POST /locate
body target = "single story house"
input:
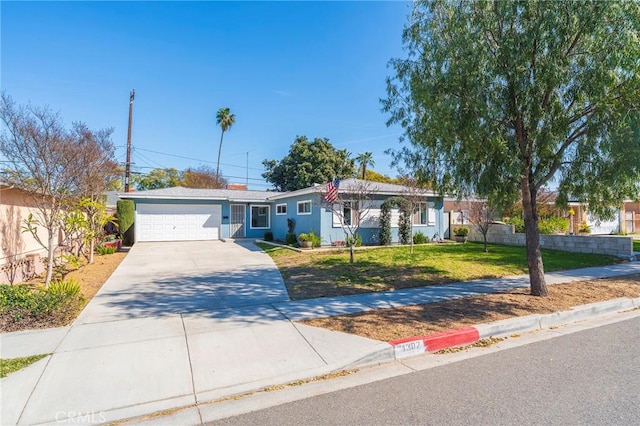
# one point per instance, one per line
(179, 214)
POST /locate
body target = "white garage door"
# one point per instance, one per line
(175, 222)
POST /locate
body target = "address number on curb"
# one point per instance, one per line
(409, 348)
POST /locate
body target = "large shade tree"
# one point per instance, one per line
(308, 163)
(503, 97)
(158, 179)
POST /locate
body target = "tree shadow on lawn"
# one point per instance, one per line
(336, 278)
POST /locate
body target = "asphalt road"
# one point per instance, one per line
(585, 378)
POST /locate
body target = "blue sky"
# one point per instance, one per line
(284, 68)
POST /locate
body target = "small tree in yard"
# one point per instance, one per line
(481, 214)
(350, 206)
(49, 163)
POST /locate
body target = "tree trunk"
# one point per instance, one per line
(534, 257)
(351, 248)
(411, 236)
(92, 243)
(486, 249)
(50, 251)
(218, 163)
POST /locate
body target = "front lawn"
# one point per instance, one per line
(328, 273)
(636, 245)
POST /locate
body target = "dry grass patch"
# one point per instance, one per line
(420, 320)
(91, 277)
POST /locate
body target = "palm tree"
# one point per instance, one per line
(365, 159)
(225, 120)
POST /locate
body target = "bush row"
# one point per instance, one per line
(23, 307)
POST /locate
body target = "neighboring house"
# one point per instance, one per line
(175, 214)
(597, 226)
(19, 251)
(631, 217)
(111, 201)
(456, 212)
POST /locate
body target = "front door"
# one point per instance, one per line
(238, 215)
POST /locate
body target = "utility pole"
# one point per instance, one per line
(247, 169)
(127, 170)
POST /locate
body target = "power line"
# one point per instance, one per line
(197, 159)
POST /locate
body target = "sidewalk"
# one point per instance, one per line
(114, 370)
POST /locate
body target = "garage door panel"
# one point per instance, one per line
(169, 222)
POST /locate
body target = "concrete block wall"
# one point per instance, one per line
(600, 244)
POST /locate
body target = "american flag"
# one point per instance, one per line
(332, 191)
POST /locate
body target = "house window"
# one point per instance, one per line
(349, 216)
(260, 217)
(425, 214)
(281, 209)
(420, 215)
(304, 207)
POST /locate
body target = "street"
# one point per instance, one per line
(588, 377)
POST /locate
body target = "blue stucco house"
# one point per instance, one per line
(183, 214)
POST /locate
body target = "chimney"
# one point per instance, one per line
(237, 186)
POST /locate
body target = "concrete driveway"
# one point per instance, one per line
(168, 278)
(176, 324)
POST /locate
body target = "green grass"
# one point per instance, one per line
(8, 366)
(328, 273)
(636, 245)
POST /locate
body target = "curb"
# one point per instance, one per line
(411, 346)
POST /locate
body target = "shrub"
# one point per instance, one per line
(584, 228)
(22, 307)
(72, 260)
(549, 225)
(304, 237)
(553, 225)
(291, 225)
(517, 222)
(126, 214)
(316, 240)
(355, 241)
(291, 238)
(64, 288)
(268, 236)
(460, 231)
(419, 238)
(102, 250)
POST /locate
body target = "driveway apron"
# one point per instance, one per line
(177, 323)
(168, 278)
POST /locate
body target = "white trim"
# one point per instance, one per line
(251, 206)
(304, 202)
(285, 209)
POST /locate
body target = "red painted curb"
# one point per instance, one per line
(437, 341)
